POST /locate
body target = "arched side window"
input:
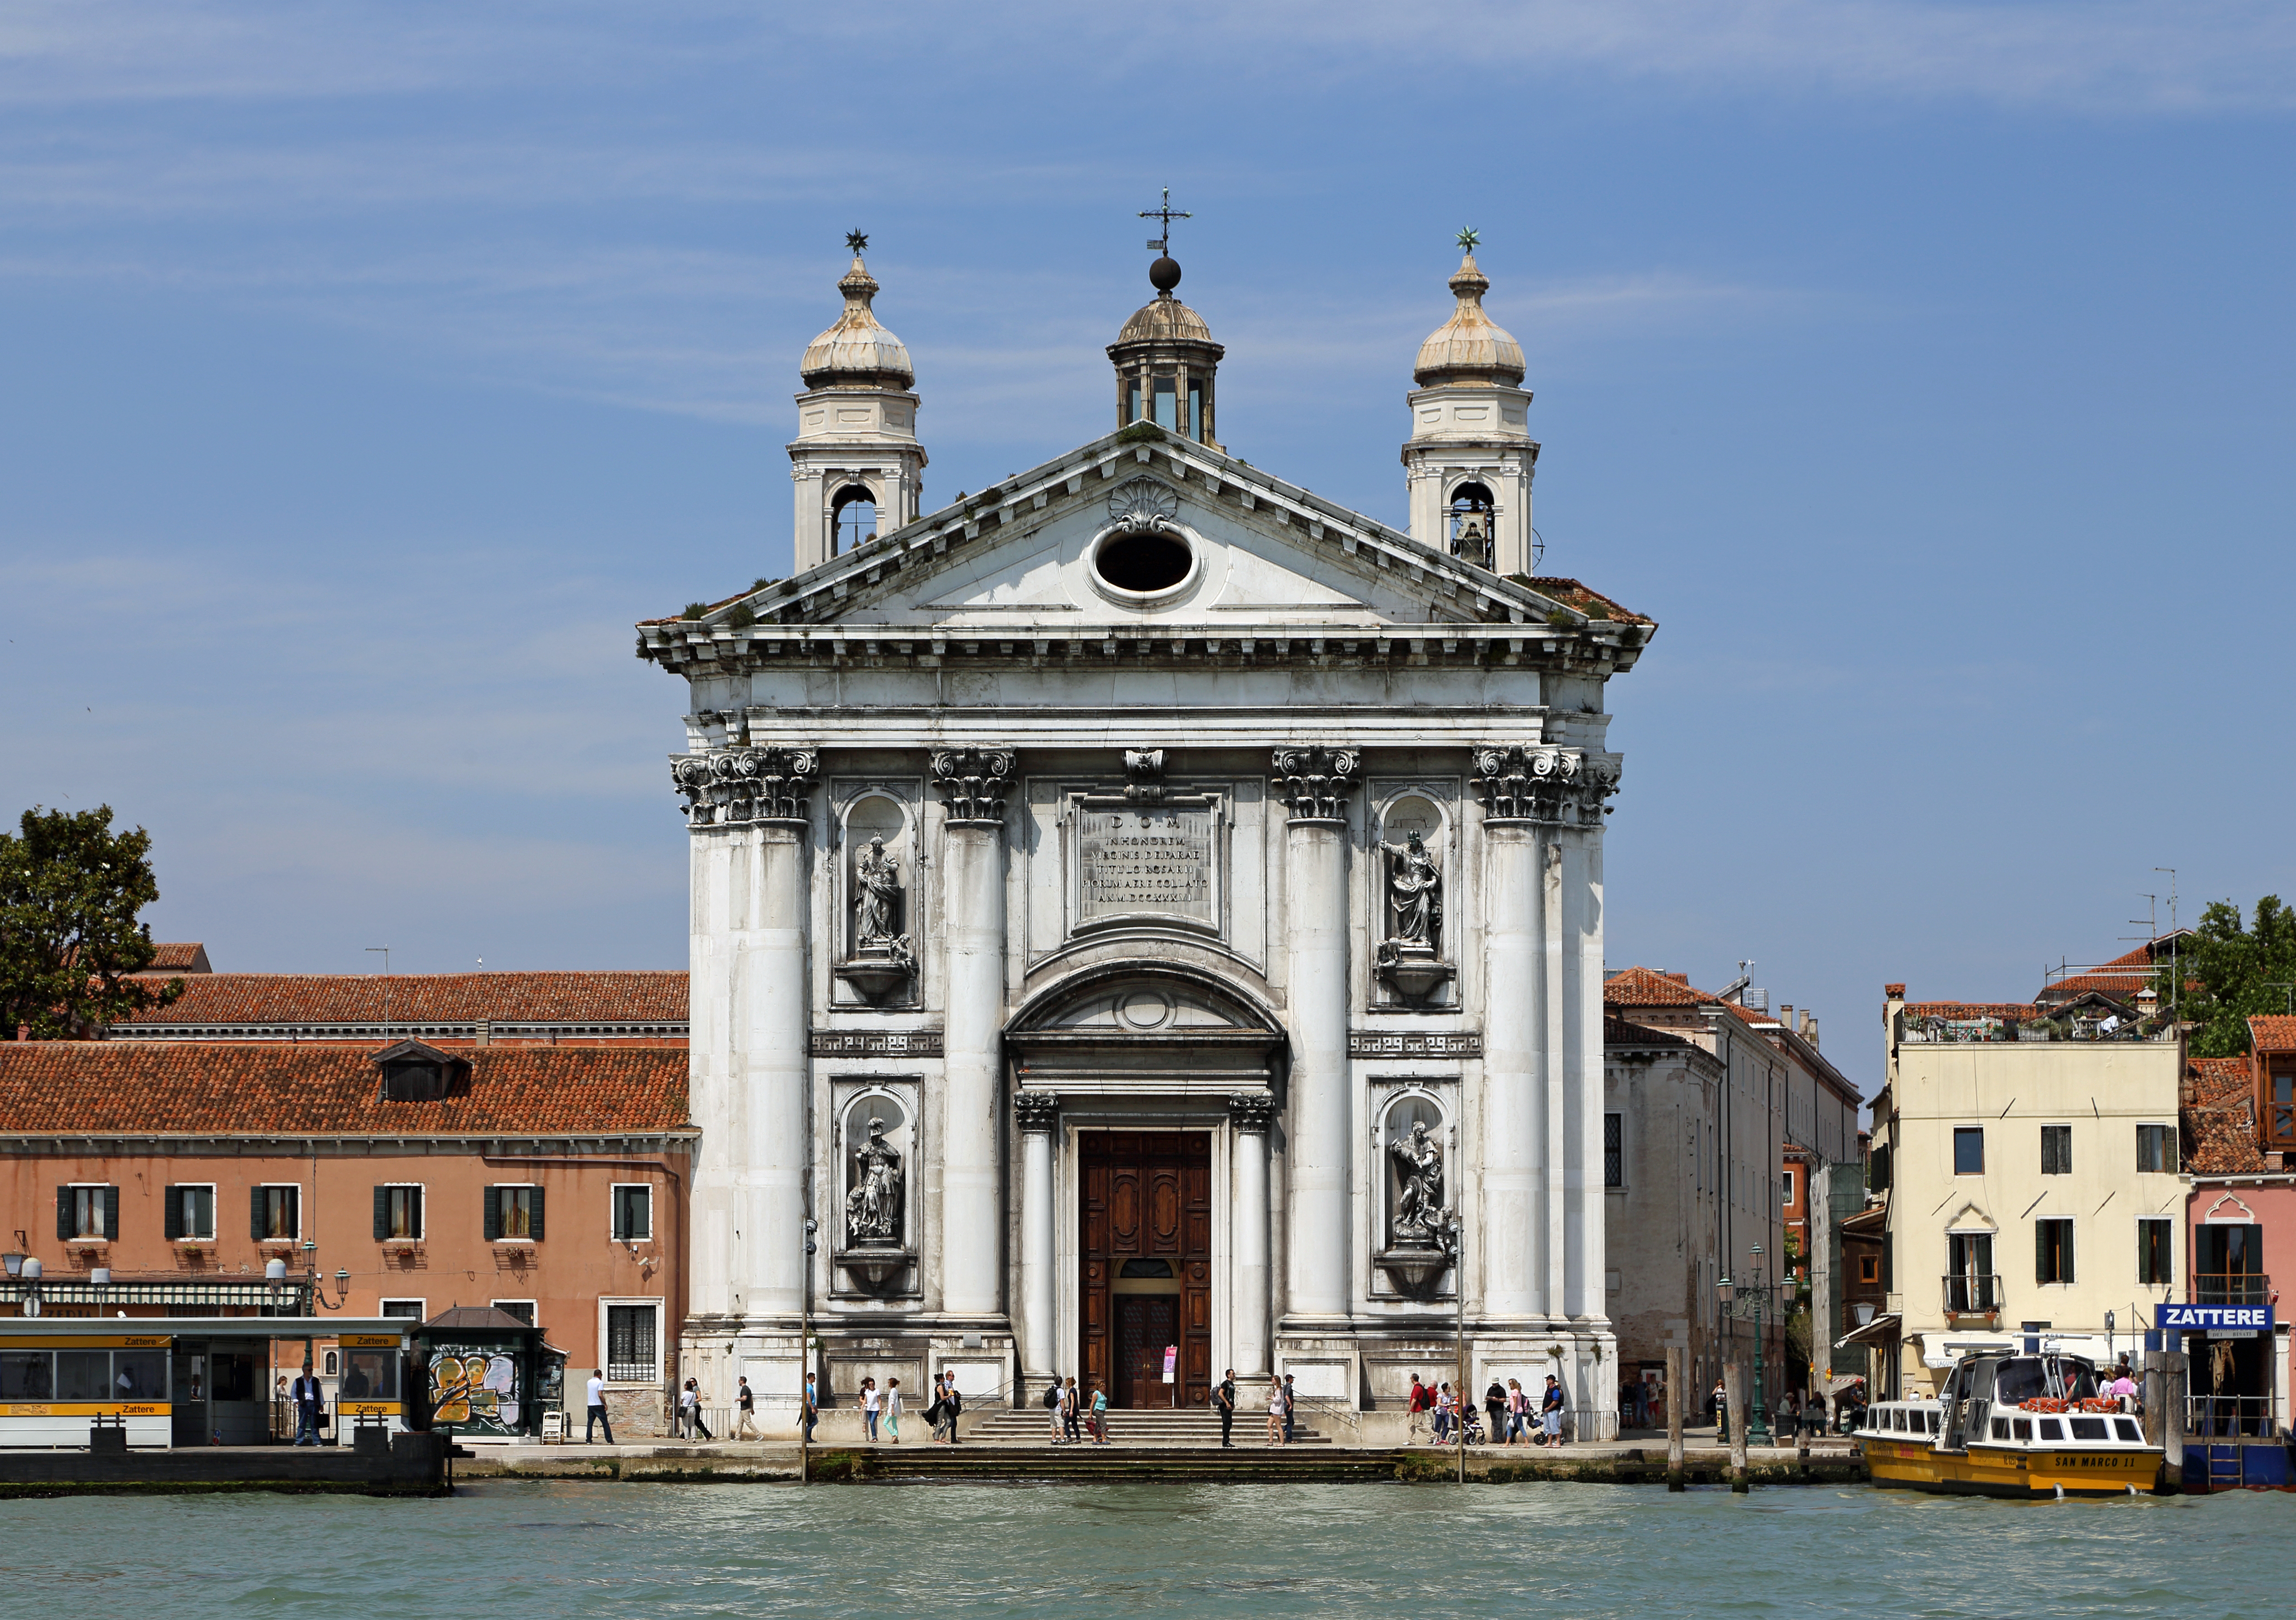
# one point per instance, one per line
(853, 518)
(1472, 514)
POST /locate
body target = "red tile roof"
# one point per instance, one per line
(1619, 1032)
(422, 998)
(181, 956)
(2273, 1032)
(2019, 1011)
(76, 1088)
(2220, 1119)
(1642, 987)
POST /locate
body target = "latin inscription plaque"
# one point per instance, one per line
(1159, 860)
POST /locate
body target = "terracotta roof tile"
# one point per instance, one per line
(180, 956)
(1642, 987)
(422, 998)
(328, 1089)
(1619, 1032)
(2219, 1120)
(2273, 1032)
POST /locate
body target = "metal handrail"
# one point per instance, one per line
(2231, 1287)
(2228, 1416)
(1972, 1293)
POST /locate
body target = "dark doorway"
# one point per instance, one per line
(1147, 1264)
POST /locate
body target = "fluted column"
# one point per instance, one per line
(974, 782)
(1248, 1305)
(1313, 782)
(1039, 1117)
(747, 809)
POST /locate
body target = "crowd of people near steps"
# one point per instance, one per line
(1515, 1416)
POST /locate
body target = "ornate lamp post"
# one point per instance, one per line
(1454, 1230)
(1752, 1307)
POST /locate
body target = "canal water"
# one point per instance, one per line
(503, 1550)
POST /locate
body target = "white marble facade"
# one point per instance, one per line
(1147, 803)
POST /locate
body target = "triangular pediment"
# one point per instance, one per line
(1970, 1218)
(1027, 553)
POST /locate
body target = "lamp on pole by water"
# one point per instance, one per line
(1752, 1307)
(805, 1353)
(1455, 1245)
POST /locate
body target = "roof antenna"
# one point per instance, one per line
(386, 990)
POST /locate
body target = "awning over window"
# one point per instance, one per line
(1881, 1330)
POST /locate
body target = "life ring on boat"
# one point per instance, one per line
(2043, 1403)
(2097, 1404)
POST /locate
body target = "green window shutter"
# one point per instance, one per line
(415, 1226)
(494, 1212)
(65, 1233)
(381, 1214)
(171, 1220)
(111, 1212)
(534, 1224)
(294, 1197)
(254, 1215)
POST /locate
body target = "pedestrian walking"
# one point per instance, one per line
(1415, 1406)
(1444, 1404)
(745, 1424)
(1494, 1408)
(1099, 1416)
(871, 1406)
(696, 1429)
(893, 1410)
(1224, 1402)
(1072, 1411)
(1275, 1411)
(933, 1407)
(597, 1418)
(1291, 1410)
(812, 1413)
(1518, 1413)
(1052, 1406)
(1718, 1412)
(952, 1406)
(309, 1401)
(1550, 1410)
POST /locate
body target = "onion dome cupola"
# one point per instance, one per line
(856, 461)
(1469, 460)
(1166, 361)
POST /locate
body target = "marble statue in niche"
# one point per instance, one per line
(1418, 1163)
(877, 899)
(1414, 895)
(872, 1202)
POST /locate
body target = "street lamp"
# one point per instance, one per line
(1752, 1308)
(1454, 1230)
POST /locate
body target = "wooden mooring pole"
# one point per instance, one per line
(1677, 1391)
(1734, 1400)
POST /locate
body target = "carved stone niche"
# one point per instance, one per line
(876, 1169)
(1414, 846)
(878, 855)
(1414, 1145)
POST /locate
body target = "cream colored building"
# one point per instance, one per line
(2033, 1181)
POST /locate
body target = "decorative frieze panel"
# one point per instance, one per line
(974, 781)
(731, 786)
(1410, 1044)
(1520, 783)
(1313, 782)
(876, 1043)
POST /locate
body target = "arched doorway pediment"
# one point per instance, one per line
(1131, 1029)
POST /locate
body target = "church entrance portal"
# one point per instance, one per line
(1147, 1264)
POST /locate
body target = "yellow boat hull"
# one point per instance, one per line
(2014, 1471)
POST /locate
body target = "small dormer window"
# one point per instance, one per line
(413, 1072)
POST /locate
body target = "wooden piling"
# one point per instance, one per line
(1677, 1391)
(1733, 1393)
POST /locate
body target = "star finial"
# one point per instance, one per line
(1469, 239)
(856, 240)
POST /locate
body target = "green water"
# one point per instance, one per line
(503, 1550)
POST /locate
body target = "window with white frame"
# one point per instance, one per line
(633, 1212)
(398, 1212)
(189, 1214)
(523, 1309)
(87, 1213)
(410, 1309)
(631, 1329)
(513, 1213)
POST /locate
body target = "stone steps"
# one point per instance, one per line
(972, 1461)
(1129, 1428)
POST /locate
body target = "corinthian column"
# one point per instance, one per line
(1250, 1114)
(1315, 783)
(747, 809)
(974, 782)
(1039, 1117)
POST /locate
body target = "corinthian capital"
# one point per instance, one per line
(1528, 783)
(1037, 1112)
(974, 781)
(745, 786)
(1314, 781)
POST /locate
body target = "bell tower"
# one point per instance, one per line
(1469, 460)
(1166, 361)
(856, 462)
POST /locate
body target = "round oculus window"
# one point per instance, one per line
(1143, 562)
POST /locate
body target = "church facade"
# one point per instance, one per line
(1147, 917)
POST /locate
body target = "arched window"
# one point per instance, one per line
(855, 516)
(1471, 509)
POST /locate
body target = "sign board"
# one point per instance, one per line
(1156, 861)
(2215, 1318)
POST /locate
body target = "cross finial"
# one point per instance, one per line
(856, 240)
(1469, 239)
(1166, 215)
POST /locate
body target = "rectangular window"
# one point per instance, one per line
(630, 1339)
(1787, 1186)
(1132, 402)
(1614, 1155)
(2283, 1105)
(2057, 1150)
(2053, 1251)
(410, 1309)
(1968, 1150)
(83, 1375)
(1869, 1268)
(633, 1212)
(28, 1375)
(1168, 413)
(2228, 1264)
(189, 1214)
(2156, 1149)
(399, 1214)
(87, 1214)
(2152, 1241)
(1877, 1169)
(513, 1213)
(276, 1214)
(523, 1309)
(1971, 1286)
(1194, 426)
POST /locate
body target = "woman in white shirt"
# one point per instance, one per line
(893, 1410)
(869, 1407)
(1276, 1412)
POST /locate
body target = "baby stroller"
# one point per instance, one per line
(1471, 1428)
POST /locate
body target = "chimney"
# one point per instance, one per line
(1785, 1014)
(1809, 1026)
(486, 1033)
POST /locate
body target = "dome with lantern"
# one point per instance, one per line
(1469, 348)
(857, 349)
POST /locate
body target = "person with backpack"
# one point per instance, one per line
(1416, 1406)
(1052, 1406)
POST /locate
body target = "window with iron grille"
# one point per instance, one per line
(523, 1309)
(2156, 1149)
(2057, 1150)
(1614, 1155)
(631, 1357)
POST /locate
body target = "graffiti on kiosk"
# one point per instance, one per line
(475, 1388)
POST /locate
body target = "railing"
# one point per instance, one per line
(1972, 1293)
(290, 1297)
(2228, 1416)
(2232, 1287)
(633, 1373)
(1318, 1406)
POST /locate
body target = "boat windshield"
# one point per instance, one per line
(2024, 1379)
(2079, 1378)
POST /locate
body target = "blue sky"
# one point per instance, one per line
(1924, 368)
